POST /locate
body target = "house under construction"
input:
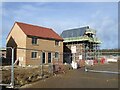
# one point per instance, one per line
(80, 44)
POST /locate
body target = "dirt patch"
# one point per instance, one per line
(78, 78)
(26, 75)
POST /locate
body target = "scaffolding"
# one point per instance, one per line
(90, 45)
(82, 38)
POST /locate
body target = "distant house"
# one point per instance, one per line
(80, 44)
(3, 60)
(34, 44)
(3, 52)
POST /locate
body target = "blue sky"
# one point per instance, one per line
(102, 16)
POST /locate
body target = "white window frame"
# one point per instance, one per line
(36, 54)
(58, 55)
(42, 57)
(51, 57)
(34, 38)
(58, 42)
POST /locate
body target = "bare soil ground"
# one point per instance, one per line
(26, 75)
(30, 77)
(80, 79)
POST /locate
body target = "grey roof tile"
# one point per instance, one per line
(74, 32)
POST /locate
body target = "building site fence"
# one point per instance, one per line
(6, 62)
(36, 64)
(33, 64)
(107, 62)
(28, 64)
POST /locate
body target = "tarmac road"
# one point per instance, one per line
(79, 79)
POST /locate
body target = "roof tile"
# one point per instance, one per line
(39, 31)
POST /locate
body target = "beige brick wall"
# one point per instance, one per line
(44, 45)
(17, 36)
(24, 41)
(21, 55)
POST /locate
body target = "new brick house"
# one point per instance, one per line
(34, 44)
(80, 44)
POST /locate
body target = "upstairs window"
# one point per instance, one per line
(34, 40)
(56, 55)
(57, 43)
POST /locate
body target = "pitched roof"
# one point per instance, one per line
(38, 31)
(74, 32)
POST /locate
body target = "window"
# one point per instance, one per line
(34, 55)
(34, 40)
(49, 57)
(56, 55)
(57, 43)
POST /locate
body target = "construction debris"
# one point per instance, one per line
(26, 75)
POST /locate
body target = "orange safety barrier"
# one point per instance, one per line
(102, 60)
(95, 62)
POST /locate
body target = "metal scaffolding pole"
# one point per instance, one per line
(11, 85)
(41, 64)
(86, 49)
(98, 51)
(12, 70)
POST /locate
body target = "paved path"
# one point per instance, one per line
(106, 67)
(78, 79)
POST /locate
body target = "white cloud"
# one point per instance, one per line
(108, 32)
(31, 14)
(107, 28)
(105, 25)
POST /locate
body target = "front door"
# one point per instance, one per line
(43, 57)
(49, 57)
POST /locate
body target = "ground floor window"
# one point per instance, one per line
(33, 54)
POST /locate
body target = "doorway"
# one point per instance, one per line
(43, 57)
(49, 57)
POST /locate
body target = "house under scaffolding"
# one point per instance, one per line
(80, 44)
